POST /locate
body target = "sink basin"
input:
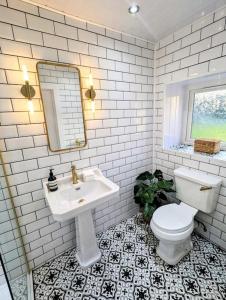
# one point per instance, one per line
(72, 199)
(77, 200)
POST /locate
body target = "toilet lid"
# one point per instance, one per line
(172, 218)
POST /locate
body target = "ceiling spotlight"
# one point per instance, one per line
(133, 9)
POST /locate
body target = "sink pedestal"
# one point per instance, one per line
(88, 251)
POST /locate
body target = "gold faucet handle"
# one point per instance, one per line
(74, 174)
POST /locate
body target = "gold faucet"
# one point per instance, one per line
(74, 174)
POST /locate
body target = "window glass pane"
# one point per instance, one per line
(209, 115)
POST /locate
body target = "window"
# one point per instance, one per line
(207, 114)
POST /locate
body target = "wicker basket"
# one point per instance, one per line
(210, 146)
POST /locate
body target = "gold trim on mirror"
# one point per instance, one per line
(82, 103)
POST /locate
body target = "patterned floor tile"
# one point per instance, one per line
(130, 269)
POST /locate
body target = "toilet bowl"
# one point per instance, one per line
(172, 224)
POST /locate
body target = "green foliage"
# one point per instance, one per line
(209, 129)
(209, 114)
(148, 189)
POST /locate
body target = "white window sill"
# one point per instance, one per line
(188, 151)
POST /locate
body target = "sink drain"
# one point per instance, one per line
(81, 200)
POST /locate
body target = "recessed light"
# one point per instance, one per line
(133, 9)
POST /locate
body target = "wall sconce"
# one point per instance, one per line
(90, 93)
(27, 90)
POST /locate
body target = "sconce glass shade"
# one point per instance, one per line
(93, 106)
(25, 73)
(27, 90)
(30, 106)
(90, 79)
(91, 94)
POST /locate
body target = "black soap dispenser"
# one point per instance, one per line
(52, 182)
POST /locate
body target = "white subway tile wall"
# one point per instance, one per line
(192, 53)
(10, 243)
(119, 134)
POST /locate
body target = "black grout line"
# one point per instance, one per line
(116, 107)
(86, 29)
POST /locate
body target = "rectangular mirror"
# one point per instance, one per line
(61, 94)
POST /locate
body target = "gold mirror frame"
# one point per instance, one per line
(82, 103)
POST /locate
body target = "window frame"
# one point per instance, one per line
(189, 111)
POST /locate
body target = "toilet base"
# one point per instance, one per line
(172, 252)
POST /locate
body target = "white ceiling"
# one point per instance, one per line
(156, 18)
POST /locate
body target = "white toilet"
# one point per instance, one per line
(173, 224)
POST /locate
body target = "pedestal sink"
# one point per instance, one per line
(77, 200)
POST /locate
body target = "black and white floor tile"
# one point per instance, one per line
(130, 269)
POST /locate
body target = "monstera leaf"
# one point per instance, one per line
(166, 185)
(145, 176)
(158, 174)
(148, 189)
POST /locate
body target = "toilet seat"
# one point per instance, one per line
(173, 218)
(173, 224)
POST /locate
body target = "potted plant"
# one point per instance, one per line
(149, 191)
